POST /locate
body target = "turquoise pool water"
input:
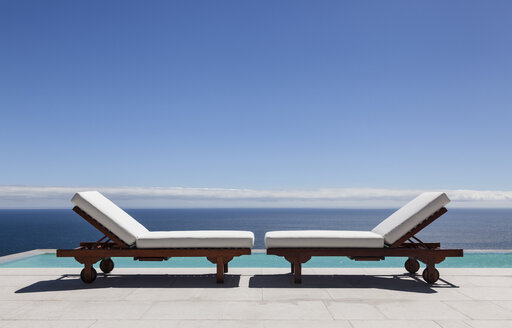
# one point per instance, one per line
(261, 260)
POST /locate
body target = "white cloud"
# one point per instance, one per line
(158, 197)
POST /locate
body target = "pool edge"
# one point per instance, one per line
(22, 255)
(40, 251)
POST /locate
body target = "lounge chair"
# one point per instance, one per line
(126, 237)
(395, 236)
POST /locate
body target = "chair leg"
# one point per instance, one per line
(220, 270)
(226, 267)
(297, 270)
(293, 270)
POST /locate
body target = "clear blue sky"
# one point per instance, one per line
(256, 94)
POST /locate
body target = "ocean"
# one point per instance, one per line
(22, 230)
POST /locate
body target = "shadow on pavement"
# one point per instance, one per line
(399, 282)
(73, 282)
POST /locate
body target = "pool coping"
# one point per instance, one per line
(22, 255)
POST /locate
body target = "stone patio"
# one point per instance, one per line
(255, 298)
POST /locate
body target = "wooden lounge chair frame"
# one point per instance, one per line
(407, 246)
(110, 245)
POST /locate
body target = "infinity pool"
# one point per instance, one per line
(261, 260)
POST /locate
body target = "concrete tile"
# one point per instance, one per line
(106, 310)
(11, 293)
(482, 281)
(103, 294)
(221, 324)
(358, 293)
(231, 294)
(429, 294)
(130, 280)
(238, 310)
(490, 323)
(359, 280)
(393, 323)
(164, 294)
(504, 304)
(306, 324)
(273, 281)
(136, 323)
(189, 297)
(184, 310)
(204, 281)
(487, 293)
(293, 294)
(297, 310)
(480, 309)
(48, 323)
(452, 324)
(243, 280)
(353, 310)
(477, 271)
(19, 281)
(417, 310)
(426, 294)
(42, 310)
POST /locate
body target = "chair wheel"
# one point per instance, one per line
(412, 265)
(88, 277)
(430, 275)
(107, 265)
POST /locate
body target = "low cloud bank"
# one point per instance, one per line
(177, 197)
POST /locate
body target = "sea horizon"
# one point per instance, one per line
(27, 229)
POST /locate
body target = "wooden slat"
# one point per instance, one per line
(151, 259)
(366, 258)
(416, 245)
(100, 227)
(419, 227)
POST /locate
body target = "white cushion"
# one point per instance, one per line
(196, 239)
(410, 215)
(109, 215)
(323, 239)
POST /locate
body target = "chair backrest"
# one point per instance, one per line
(410, 215)
(109, 215)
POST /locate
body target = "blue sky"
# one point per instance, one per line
(260, 95)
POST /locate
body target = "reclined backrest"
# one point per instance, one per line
(109, 215)
(410, 215)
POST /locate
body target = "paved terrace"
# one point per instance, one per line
(255, 298)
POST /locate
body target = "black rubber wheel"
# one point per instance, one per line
(88, 278)
(107, 265)
(430, 275)
(412, 265)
